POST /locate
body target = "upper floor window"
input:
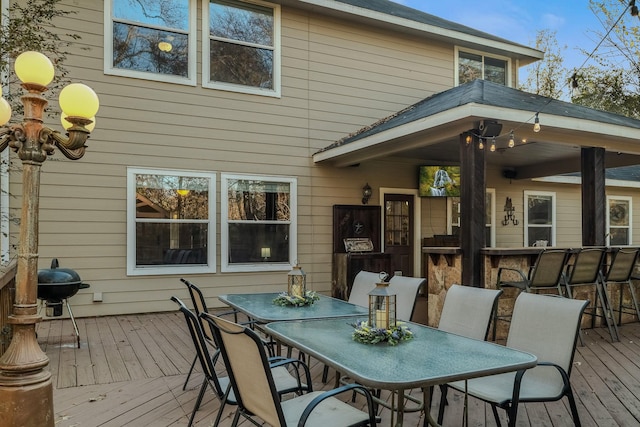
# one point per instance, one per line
(540, 218)
(242, 44)
(258, 223)
(619, 220)
(475, 65)
(151, 39)
(170, 222)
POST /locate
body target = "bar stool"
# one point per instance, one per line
(586, 270)
(620, 272)
(546, 274)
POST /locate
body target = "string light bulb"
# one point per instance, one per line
(480, 144)
(493, 145)
(536, 124)
(634, 8)
(468, 139)
(512, 141)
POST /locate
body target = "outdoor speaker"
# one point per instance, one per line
(489, 128)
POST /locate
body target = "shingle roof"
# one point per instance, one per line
(486, 93)
(396, 9)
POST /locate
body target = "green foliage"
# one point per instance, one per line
(31, 25)
(365, 334)
(613, 82)
(284, 299)
(546, 77)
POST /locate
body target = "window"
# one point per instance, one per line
(151, 39)
(539, 218)
(258, 216)
(619, 220)
(472, 66)
(453, 213)
(242, 42)
(170, 222)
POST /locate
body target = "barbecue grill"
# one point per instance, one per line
(55, 287)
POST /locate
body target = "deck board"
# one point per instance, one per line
(130, 371)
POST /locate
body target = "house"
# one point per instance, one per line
(229, 130)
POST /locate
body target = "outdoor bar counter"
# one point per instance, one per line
(442, 266)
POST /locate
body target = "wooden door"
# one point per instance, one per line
(398, 232)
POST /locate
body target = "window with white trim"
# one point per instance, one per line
(170, 222)
(258, 222)
(242, 44)
(149, 39)
(453, 213)
(540, 218)
(474, 65)
(619, 216)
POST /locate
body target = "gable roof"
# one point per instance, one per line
(483, 92)
(430, 131)
(386, 13)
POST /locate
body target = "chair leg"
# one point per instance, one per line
(574, 409)
(223, 402)
(607, 312)
(634, 298)
(198, 401)
(193, 364)
(443, 398)
(634, 301)
(512, 412)
(495, 415)
(325, 374)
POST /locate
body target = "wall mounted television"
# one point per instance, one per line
(439, 181)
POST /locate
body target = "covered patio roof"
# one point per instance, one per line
(430, 131)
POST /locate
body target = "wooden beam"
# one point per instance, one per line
(593, 196)
(472, 217)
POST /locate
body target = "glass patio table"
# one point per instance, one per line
(431, 358)
(260, 308)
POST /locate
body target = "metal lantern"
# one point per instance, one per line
(297, 282)
(382, 307)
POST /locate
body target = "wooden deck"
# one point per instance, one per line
(130, 370)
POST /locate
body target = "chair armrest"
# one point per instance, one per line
(515, 398)
(297, 365)
(514, 270)
(349, 387)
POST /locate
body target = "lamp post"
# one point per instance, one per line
(26, 391)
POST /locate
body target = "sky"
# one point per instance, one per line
(520, 20)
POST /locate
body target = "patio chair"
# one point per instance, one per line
(547, 273)
(285, 382)
(547, 326)
(406, 290)
(364, 282)
(468, 311)
(255, 391)
(586, 270)
(620, 272)
(200, 306)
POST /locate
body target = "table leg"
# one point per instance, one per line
(400, 417)
(428, 419)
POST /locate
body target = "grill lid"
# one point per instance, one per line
(56, 275)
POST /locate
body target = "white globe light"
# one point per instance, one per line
(34, 67)
(5, 112)
(79, 100)
(66, 124)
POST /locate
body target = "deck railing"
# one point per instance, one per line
(7, 295)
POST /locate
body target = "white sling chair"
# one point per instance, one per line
(546, 326)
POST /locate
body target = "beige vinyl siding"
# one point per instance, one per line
(337, 77)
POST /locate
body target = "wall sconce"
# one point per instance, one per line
(366, 193)
(509, 215)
